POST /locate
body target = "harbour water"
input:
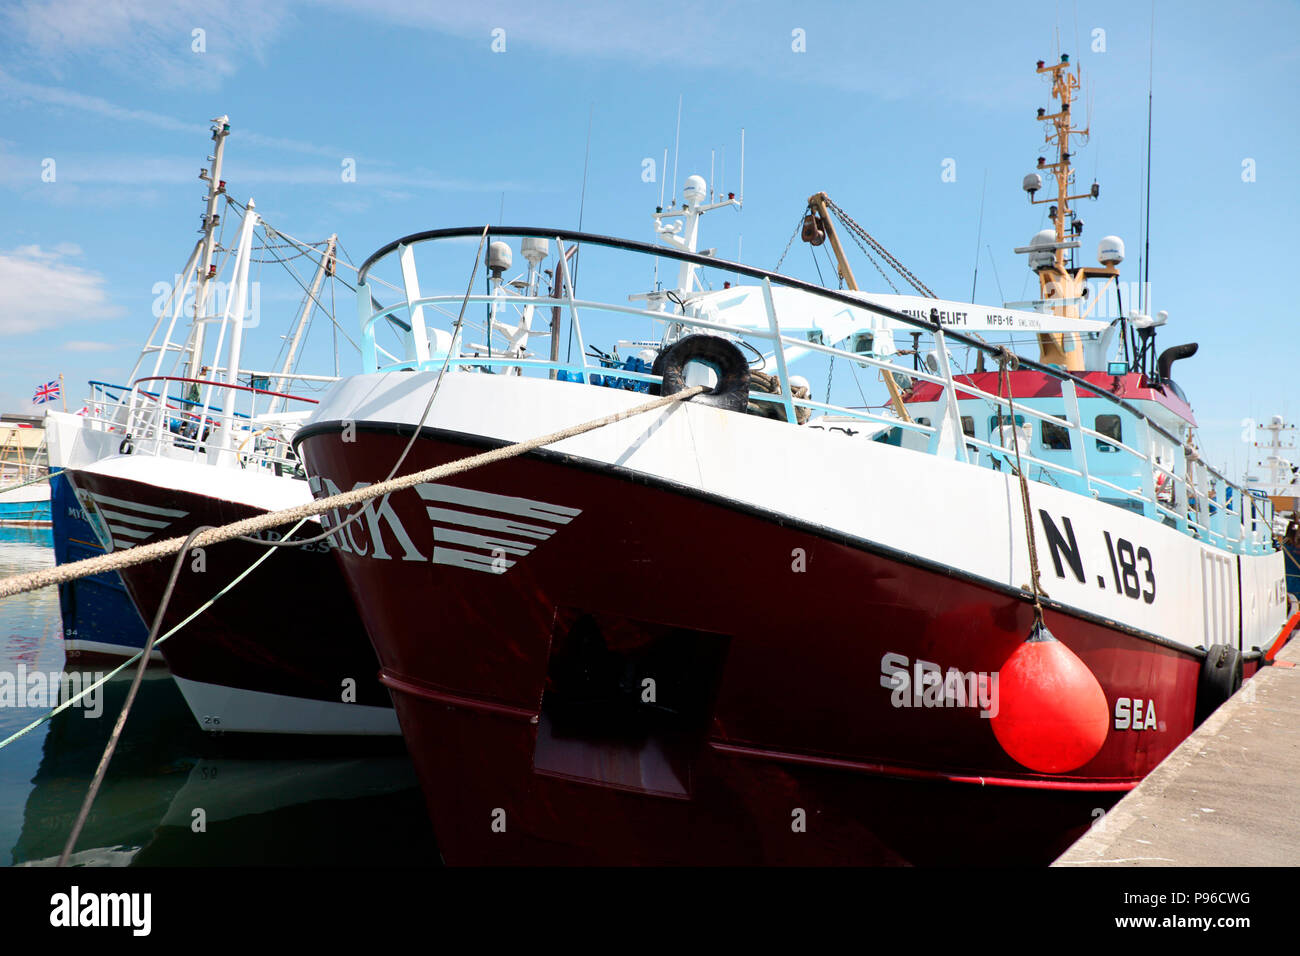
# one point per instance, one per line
(174, 795)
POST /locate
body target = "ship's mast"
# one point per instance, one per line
(206, 270)
(1061, 286)
(1279, 465)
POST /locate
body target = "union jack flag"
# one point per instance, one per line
(46, 393)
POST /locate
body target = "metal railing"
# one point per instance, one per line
(1238, 522)
(217, 423)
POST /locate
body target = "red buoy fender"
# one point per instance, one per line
(1052, 715)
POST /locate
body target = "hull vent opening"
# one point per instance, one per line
(627, 704)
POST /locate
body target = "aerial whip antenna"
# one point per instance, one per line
(979, 234)
(1146, 227)
(677, 146)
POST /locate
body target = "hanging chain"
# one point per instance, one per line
(884, 253)
(798, 223)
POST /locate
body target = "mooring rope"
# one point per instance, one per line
(30, 481)
(130, 557)
(1007, 360)
(141, 667)
(72, 701)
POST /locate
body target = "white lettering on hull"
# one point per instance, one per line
(925, 684)
(483, 536)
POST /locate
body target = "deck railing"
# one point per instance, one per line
(194, 419)
(1239, 522)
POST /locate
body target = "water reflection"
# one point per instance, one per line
(174, 795)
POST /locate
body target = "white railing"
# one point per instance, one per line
(216, 423)
(1238, 523)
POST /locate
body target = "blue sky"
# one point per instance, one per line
(445, 131)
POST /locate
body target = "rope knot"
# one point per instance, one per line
(1007, 359)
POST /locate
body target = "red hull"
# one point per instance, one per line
(518, 692)
(256, 637)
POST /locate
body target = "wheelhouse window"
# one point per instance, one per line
(1055, 437)
(1109, 426)
(968, 425)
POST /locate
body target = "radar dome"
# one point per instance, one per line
(1110, 251)
(695, 190)
(1045, 255)
(533, 248)
(499, 257)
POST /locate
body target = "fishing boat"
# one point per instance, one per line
(201, 437)
(953, 623)
(1276, 477)
(24, 470)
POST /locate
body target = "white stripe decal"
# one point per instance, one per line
(506, 504)
(133, 519)
(133, 506)
(492, 524)
(130, 532)
(471, 561)
(482, 542)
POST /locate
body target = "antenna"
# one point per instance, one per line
(582, 203)
(742, 164)
(994, 263)
(979, 234)
(712, 155)
(663, 180)
(1146, 265)
(677, 146)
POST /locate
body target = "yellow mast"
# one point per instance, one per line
(822, 217)
(1056, 281)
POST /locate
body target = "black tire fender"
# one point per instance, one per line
(732, 390)
(1220, 678)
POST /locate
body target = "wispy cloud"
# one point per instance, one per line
(19, 90)
(86, 345)
(153, 37)
(39, 290)
(84, 169)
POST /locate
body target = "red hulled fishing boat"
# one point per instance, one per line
(761, 625)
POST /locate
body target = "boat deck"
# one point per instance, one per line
(1225, 797)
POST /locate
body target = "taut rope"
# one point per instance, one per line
(117, 560)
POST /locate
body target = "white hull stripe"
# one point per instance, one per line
(220, 708)
(505, 504)
(129, 532)
(133, 506)
(490, 523)
(490, 550)
(133, 519)
(115, 518)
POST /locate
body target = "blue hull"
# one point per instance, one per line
(34, 514)
(98, 616)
